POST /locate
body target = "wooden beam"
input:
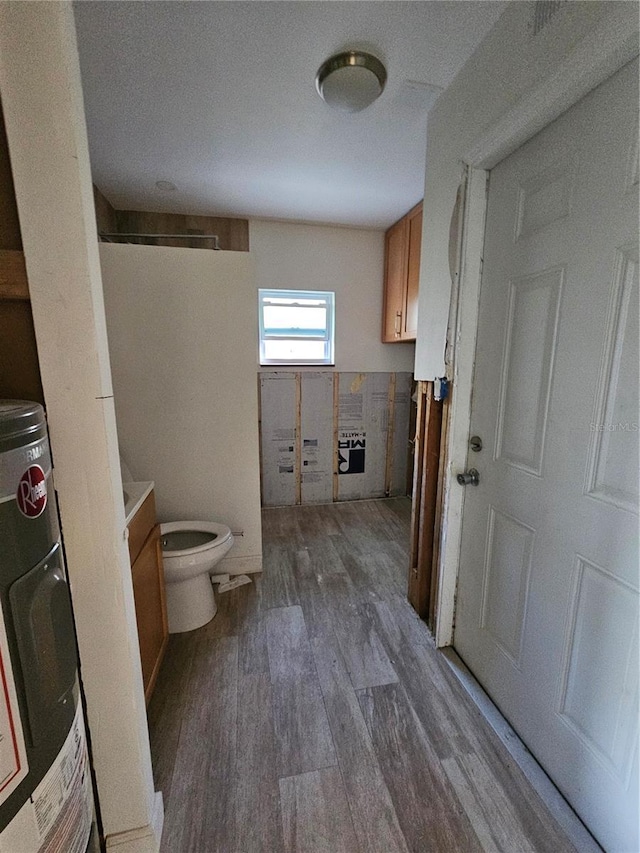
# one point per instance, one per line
(298, 445)
(13, 275)
(106, 218)
(260, 439)
(437, 524)
(10, 237)
(388, 464)
(19, 369)
(336, 454)
(233, 233)
(418, 439)
(425, 487)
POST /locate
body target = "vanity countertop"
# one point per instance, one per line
(134, 495)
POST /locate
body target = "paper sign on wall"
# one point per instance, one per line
(351, 452)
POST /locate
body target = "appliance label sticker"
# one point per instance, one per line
(32, 492)
(13, 756)
(63, 801)
(58, 815)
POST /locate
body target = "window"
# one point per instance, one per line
(296, 326)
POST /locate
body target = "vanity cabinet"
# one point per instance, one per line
(401, 278)
(147, 575)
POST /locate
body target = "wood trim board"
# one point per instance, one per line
(13, 275)
(420, 576)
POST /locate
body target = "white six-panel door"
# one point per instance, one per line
(547, 613)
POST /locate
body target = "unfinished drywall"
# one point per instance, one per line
(278, 407)
(510, 61)
(316, 437)
(349, 261)
(182, 337)
(333, 436)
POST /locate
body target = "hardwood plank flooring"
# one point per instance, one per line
(300, 720)
(168, 710)
(428, 811)
(366, 660)
(200, 812)
(315, 814)
(259, 823)
(374, 817)
(314, 715)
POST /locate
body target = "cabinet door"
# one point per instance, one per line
(141, 526)
(414, 236)
(394, 281)
(151, 612)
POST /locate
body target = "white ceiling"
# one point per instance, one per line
(219, 99)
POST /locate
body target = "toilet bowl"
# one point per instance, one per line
(190, 550)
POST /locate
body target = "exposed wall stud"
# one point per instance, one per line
(437, 533)
(426, 486)
(260, 442)
(336, 401)
(417, 480)
(328, 437)
(298, 458)
(391, 425)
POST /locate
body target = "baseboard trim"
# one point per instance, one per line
(157, 818)
(565, 816)
(144, 839)
(239, 565)
(140, 840)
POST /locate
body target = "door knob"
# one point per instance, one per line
(469, 478)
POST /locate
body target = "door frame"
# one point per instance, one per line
(610, 46)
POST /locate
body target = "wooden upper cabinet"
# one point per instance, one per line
(413, 272)
(401, 278)
(394, 281)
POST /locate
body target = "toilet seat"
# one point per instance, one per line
(220, 531)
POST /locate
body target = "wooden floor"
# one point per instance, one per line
(313, 714)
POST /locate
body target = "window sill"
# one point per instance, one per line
(296, 364)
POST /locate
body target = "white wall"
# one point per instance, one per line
(182, 327)
(507, 65)
(183, 338)
(349, 261)
(42, 102)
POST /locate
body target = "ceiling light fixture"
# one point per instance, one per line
(351, 81)
(166, 186)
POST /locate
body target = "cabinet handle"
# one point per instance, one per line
(398, 322)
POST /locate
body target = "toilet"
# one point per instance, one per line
(190, 550)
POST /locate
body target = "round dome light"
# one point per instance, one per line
(351, 81)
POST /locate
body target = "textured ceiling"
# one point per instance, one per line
(219, 99)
